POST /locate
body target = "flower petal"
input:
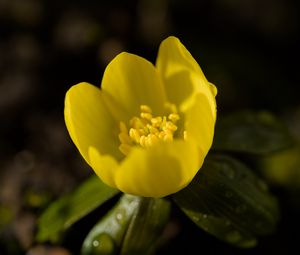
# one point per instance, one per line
(159, 170)
(104, 166)
(134, 81)
(181, 73)
(200, 122)
(89, 122)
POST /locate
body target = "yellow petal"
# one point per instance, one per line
(181, 74)
(89, 122)
(104, 166)
(200, 122)
(134, 81)
(159, 170)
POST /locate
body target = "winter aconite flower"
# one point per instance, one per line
(149, 128)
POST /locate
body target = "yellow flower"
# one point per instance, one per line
(149, 128)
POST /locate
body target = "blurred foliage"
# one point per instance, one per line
(245, 47)
(282, 168)
(69, 209)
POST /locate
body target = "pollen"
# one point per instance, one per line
(147, 129)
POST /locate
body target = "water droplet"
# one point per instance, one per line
(103, 244)
(120, 215)
(228, 172)
(95, 243)
(233, 236)
(204, 216)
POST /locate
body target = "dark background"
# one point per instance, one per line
(249, 49)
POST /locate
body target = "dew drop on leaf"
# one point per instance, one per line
(103, 244)
(120, 216)
(204, 216)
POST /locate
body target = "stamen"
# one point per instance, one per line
(124, 138)
(135, 135)
(143, 141)
(145, 108)
(173, 117)
(125, 148)
(147, 130)
(123, 127)
(168, 137)
(156, 121)
(171, 126)
(184, 135)
(146, 115)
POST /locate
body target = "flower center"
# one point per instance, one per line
(147, 130)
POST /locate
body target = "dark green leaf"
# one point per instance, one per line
(107, 235)
(62, 213)
(227, 200)
(251, 132)
(146, 226)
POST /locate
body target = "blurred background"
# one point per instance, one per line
(249, 49)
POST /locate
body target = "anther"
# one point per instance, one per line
(145, 108)
(156, 121)
(171, 126)
(146, 115)
(123, 127)
(134, 134)
(168, 137)
(124, 138)
(173, 117)
(125, 148)
(143, 141)
(184, 135)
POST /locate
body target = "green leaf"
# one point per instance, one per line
(251, 132)
(146, 225)
(133, 226)
(62, 213)
(106, 236)
(228, 201)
